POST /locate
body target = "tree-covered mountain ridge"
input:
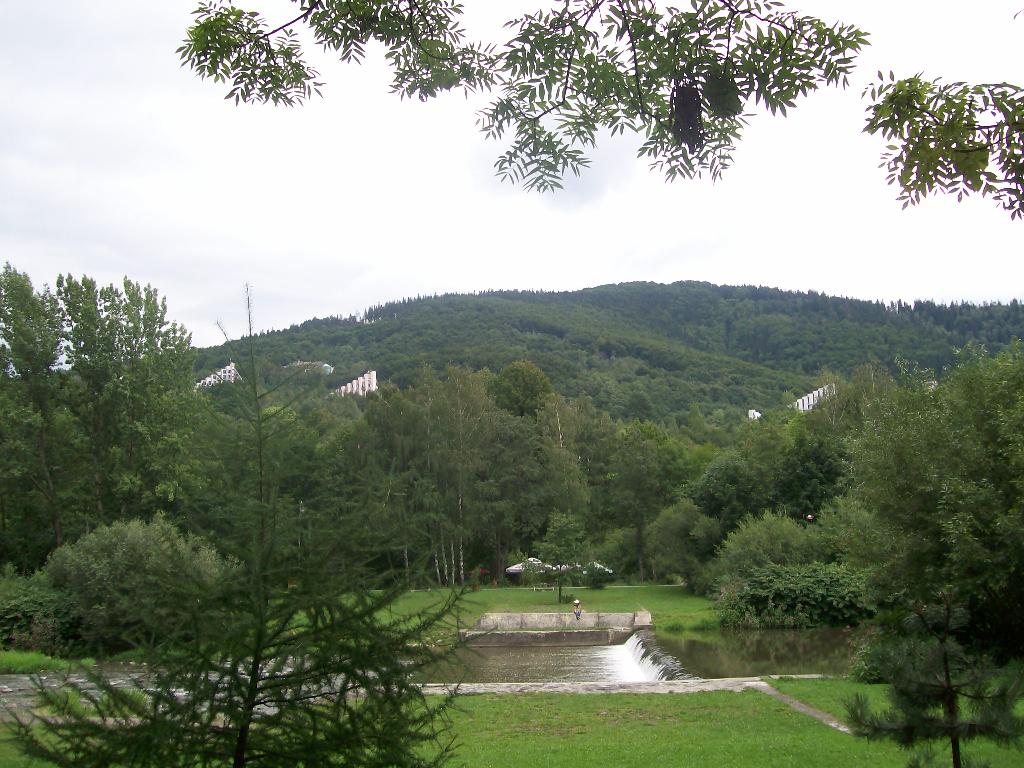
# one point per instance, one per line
(644, 349)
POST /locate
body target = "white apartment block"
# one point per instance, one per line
(228, 374)
(805, 403)
(808, 401)
(360, 386)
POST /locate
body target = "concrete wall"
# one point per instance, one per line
(556, 638)
(513, 622)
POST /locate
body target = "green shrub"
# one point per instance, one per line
(770, 539)
(116, 574)
(596, 578)
(36, 616)
(680, 543)
(879, 654)
(810, 595)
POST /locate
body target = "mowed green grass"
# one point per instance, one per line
(830, 695)
(639, 731)
(747, 730)
(27, 662)
(672, 608)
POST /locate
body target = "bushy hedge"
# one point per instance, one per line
(117, 577)
(768, 539)
(36, 616)
(810, 595)
(878, 656)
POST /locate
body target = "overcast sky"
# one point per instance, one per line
(116, 161)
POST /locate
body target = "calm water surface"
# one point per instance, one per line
(652, 657)
(766, 652)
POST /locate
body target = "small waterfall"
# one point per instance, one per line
(643, 660)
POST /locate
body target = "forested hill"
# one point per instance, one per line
(644, 349)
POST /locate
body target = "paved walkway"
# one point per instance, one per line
(662, 686)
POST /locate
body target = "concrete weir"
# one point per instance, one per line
(555, 629)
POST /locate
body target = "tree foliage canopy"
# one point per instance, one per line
(685, 79)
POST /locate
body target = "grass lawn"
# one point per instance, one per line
(27, 662)
(747, 730)
(831, 695)
(638, 731)
(672, 608)
(9, 756)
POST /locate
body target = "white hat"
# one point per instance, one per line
(576, 601)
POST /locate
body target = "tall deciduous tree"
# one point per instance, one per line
(98, 407)
(940, 464)
(34, 429)
(521, 388)
(131, 371)
(291, 658)
(645, 480)
(563, 546)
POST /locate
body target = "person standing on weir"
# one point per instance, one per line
(577, 609)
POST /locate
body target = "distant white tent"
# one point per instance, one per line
(539, 566)
(529, 564)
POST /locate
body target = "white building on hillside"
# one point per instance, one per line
(805, 403)
(808, 401)
(360, 386)
(226, 375)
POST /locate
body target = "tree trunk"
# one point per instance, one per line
(640, 551)
(497, 565)
(241, 755)
(949, 702)
(97, 489)
(462, 563)
(451, 546)
(49, 491)
(444, 560)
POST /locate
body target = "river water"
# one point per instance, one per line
(645, 657)
(649, 657)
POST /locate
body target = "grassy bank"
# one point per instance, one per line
(27, 662)
(672, 608)
(831, 696)
(748, 730)
(636, 731)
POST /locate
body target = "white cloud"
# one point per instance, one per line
(116, 161)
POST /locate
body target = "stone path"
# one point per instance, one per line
(663, 686)
(17, 692)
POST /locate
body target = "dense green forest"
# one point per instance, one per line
(645, 350)
(135, 506)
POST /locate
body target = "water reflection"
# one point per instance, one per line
(768, 652)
